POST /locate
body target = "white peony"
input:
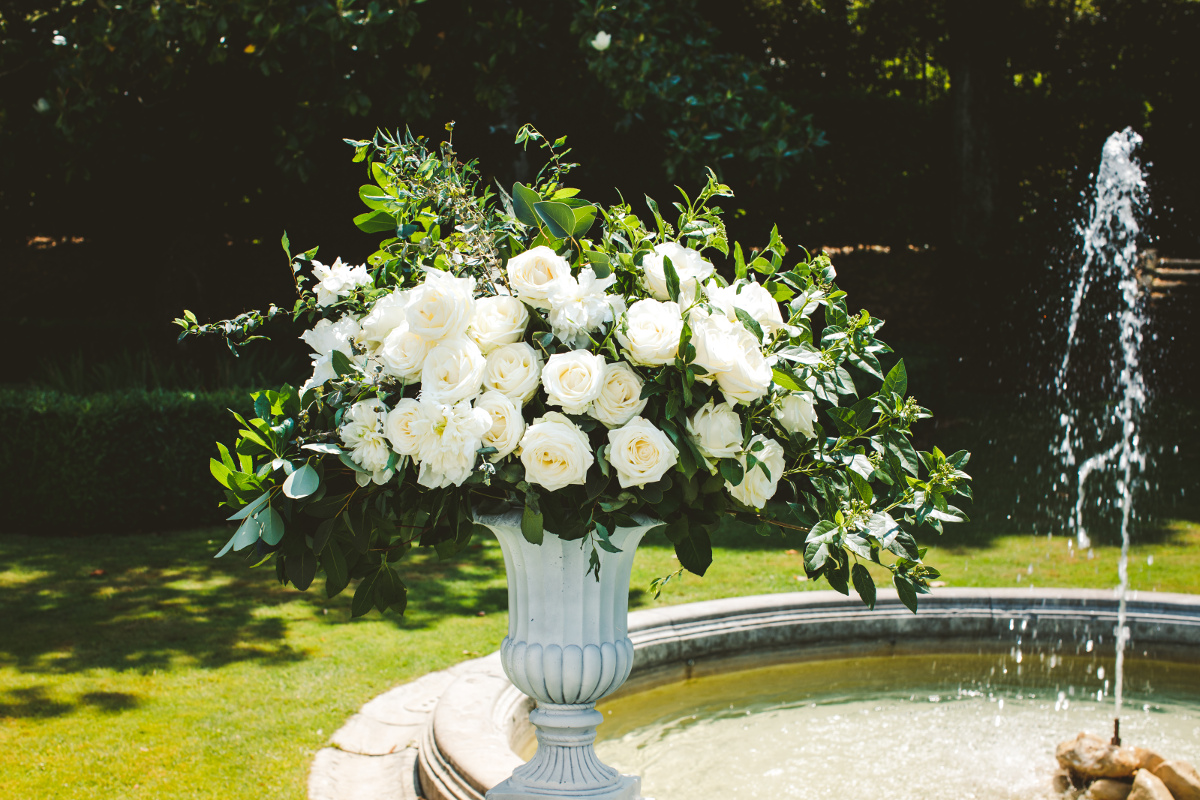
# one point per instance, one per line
(363, 432)
(403, 353)
(797, 414)
(640, 453)
(580, 306)
(751, 298)
(717, 431)
(387, 314)
(324, 338)
(756, 487)
(447, 454)
(507, 423)
(514, 370)
(442, 306)
(531, 271)
(573, 380)
(651, 332)
(690, 266)
(555, 453)
(337, 280)
(498, 320)
(452, 371)
(620, 398)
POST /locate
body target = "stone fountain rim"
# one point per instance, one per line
(479, 722)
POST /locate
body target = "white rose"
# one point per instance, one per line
(620, 397)
(573, 380)
(580, 306)
(408, 425)
(363, 432)
(452, 371)
(555, 453)
(514, 370)
(717, 430)
(529, 272)
(498, 320)
(403, 353)
(324, 338)
(507, 423)
(651, 332)
(690, 266)
(337, 280)
(797, 414)
(749, 378)
(640, 453)
(442, 306)
(716, 340)
(602, 41)
(387, 314)
(448, 453)
(756, 488)
(751, 298)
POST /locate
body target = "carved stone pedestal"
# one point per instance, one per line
(567, 647)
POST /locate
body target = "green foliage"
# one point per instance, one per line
(713, 105)
(117, 462)
(851, 480)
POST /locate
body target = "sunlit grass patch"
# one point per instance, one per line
(170, 674)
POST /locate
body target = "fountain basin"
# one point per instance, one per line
(479, 730)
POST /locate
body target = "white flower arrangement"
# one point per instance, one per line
(499, 352)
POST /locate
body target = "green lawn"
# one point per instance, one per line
(139, 667)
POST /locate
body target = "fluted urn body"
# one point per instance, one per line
(567, 647)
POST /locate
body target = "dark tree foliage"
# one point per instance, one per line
(175, 137)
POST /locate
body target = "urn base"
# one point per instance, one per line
(628, 787)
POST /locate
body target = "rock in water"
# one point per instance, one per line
(1148, 787)
(1108, 789)
(1090, 757)
(1180, 778)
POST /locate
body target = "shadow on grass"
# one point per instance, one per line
(152, 602)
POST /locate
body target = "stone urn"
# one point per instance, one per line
(567, 647)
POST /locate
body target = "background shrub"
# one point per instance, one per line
(119, 462)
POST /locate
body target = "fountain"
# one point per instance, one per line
(821, 697)
(1109, 242)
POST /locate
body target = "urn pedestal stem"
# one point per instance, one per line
(567, 647)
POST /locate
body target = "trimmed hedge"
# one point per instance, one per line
(118, 462)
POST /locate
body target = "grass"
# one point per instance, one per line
(139, 667)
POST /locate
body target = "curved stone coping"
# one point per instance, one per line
(479, 724)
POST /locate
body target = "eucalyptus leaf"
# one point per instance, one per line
(302, 482)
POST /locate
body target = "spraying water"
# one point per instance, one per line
(1103, 408)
